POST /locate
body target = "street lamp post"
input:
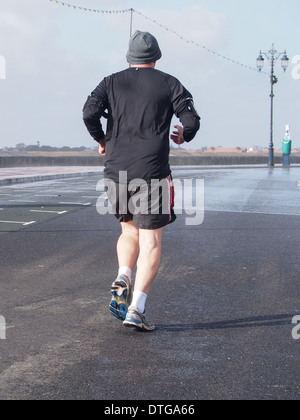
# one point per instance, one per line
(272, 56)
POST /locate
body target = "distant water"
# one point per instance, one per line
(249, 190)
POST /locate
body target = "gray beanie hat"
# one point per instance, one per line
(143, 49)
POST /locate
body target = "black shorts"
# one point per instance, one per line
(148, 205)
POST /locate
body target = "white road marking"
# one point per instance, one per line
(21, 201)
(76, 204)
(24, 191)
(17, 223)
(45, 195)
(48, 211)
(90, 196)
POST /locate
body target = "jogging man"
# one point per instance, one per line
(139, 103)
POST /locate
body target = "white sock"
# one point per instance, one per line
(139, 300)
(126, 271)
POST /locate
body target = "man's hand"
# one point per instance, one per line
(177, 136)
(102, 148)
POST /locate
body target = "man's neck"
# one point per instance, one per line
(142, 66)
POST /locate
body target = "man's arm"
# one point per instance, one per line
(189, 118)
(93, 111)
(184, 109)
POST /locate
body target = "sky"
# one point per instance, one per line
(55, 56)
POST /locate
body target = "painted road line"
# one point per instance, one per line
(74, 191)
(45, 195)
(21, 201)
(48, 211)
(75, 204)
(91, 196)
(17, 223)
(24, 190)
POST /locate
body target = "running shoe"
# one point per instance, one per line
(121, 297)
(135, 319)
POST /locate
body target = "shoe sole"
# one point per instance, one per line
(138, 325)
(119, 303)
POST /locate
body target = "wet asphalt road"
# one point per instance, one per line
(223, 301)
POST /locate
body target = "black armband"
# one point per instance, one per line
(188, 107)
(189, 118)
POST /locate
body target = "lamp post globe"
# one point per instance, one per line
(285, 62)
(260, 62)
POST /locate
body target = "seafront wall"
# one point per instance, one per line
(38, 161)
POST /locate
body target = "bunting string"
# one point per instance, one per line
(190, 42)
(86, 9)
(199, 45)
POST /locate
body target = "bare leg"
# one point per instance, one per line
(128, 251)
(149, 259)
(128, 245)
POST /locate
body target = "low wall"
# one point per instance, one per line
(222, 160)
(38, 161)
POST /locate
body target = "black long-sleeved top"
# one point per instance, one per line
(141, 104)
